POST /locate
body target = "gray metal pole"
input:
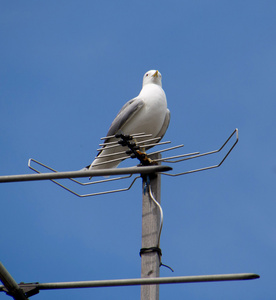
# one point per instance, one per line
(79, 174)
(150, 229)
(10, 284)
(135, 281)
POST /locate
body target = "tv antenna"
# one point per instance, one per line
(150, 170)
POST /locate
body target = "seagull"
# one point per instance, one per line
(147, 113)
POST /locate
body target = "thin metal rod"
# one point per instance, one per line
(113, 144)
(149, 140)
(155, 144)
(85, 184)
(141, 134)
(109, 147)
(167, 149)
(88, 173)
(111, 160)
(127, 155)
(108, 143)
(74, 180)
(168, 159)
(12, 288)
(149, 145)
(139, 281)
(98, 193)
(124, 152)
(192, 155)
(111, 154)
(211, 152)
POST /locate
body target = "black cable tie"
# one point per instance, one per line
(155, 249)
(150, 250)
(134, 149)
(122, 142)
(124, 137)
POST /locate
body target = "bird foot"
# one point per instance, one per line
(144, 159)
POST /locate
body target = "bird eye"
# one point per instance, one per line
(147, 74)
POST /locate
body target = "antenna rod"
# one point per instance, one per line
(10, 284)
(136, 281)
(88, 173)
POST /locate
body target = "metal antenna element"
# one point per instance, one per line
(133, 146)
(179, 158)
(86, 183)
(23, 290)
(132, 150)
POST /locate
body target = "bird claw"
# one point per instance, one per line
(144, 159)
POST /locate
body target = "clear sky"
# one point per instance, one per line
(67, 67)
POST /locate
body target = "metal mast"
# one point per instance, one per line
(150, 255)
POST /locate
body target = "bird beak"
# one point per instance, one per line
(155, 74)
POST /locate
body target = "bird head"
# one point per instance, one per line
(152, 76)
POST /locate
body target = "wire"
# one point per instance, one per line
(161, 213)
(156, 249)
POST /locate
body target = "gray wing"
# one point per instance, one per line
(127, 112)
(165, 125)
(164, 128)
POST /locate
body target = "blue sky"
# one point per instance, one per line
(67, 67)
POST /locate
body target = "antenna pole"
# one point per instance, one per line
(12, 288)
(150, 261)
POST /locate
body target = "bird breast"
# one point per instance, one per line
(151, 117)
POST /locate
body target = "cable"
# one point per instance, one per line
(161, 213)
(155, 249)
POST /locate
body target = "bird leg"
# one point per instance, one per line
(144, 159)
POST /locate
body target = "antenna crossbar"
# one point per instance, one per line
(142, 170)
(86, 173)
(135, 281)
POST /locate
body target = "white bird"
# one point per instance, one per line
(147, 113)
